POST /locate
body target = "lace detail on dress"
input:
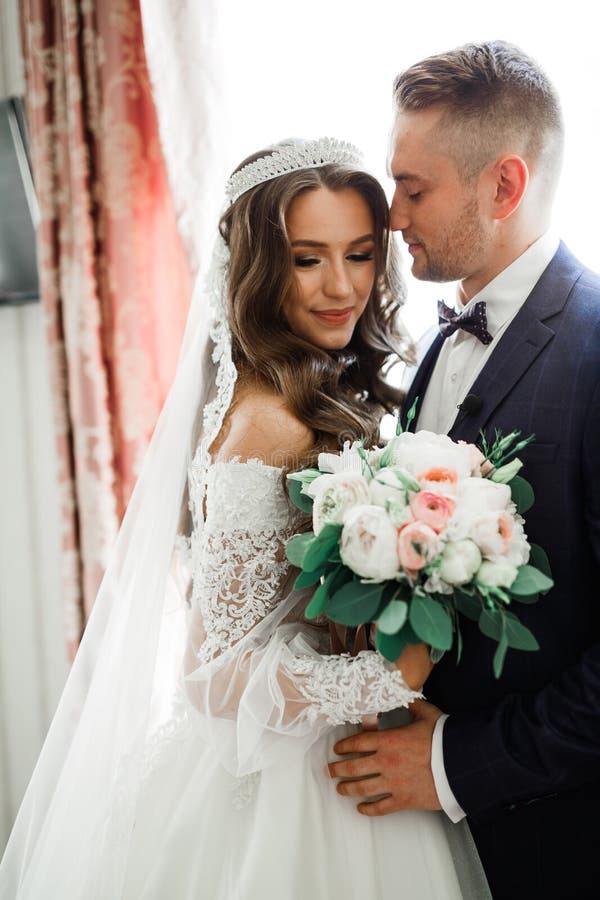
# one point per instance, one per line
(346, 688)
(244, 790)
(238, 572)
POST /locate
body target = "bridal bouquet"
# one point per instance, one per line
(416, 534)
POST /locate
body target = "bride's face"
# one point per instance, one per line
(332, 237)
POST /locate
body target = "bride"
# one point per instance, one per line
(188, 757)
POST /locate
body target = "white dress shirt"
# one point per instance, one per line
(460, 361)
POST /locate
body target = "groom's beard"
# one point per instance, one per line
(458, 250)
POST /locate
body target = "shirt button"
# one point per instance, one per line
(454, 376)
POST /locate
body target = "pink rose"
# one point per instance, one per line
(418, 544)
(432, 509)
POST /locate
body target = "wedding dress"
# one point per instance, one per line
(236, 801)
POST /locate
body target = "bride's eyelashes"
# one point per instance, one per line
(306, 262)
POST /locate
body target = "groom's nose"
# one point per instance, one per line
(399, 215)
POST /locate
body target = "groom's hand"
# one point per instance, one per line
(398, 765)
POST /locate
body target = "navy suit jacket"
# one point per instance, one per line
(522, 753)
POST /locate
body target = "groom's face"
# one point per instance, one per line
(437, 211)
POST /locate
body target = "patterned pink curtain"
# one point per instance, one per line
(115, 283)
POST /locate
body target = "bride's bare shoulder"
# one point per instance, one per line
(259, 425)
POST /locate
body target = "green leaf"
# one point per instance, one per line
(319, 598)
(459, 641)
(518, 635)
(334, 556)
(296, 547)
(307, 579)
(530, 581)
(318, 551)
(500, 653)
(539, 559)
(388, 454)
(298, 498)
(431, 621)
(393, 617)
(522, 494)
(526, 598)
(468, 605)
(490, 623)
(305, 476)
(391, 645)
(355, 603)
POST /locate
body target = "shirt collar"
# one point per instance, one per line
(507, 292)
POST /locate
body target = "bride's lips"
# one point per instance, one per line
(333, 316)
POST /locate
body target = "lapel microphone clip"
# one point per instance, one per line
(471, 405)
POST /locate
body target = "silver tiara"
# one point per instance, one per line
(290, 158)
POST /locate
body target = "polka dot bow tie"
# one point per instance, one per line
(474, 321)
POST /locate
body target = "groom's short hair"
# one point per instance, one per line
(495, 99)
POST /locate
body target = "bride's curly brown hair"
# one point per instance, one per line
(339, 394)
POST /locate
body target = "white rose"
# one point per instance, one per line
(500, 573)
(334, 495)
(424, 452)
(386, 486)
(460, 561)
(368, 543)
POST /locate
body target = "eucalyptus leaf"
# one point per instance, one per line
(500, 654)
(459, 641)
(519, 636)
(468, 605)
(302, 501)
(296, 548)
(529, 581)
(522, 494)
(539, 559)
(319, 550)
(304, 476)
(393, 617)
(490, 623)
(431, 621)
(307, 579)
(319, 598)
(391, 645)
(354, 603)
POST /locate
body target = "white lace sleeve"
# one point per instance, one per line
(255, 669)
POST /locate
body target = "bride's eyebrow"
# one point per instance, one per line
(306, 243)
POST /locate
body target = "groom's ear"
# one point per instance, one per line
(510, 176)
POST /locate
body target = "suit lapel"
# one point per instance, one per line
(525, 338)
(421, 380)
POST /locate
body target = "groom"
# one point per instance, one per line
(476, 155)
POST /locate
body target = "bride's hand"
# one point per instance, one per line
(415, 664)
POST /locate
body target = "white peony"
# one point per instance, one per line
(499, 573)
(334, 495)
(424, 452)
(368, 543)
(492, 533)
(460, 561)
(476, 498)
(518, 549)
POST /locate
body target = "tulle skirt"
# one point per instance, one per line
(283, 834)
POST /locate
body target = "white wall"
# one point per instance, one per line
(33, 663)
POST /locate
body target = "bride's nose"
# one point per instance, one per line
(338, 284)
